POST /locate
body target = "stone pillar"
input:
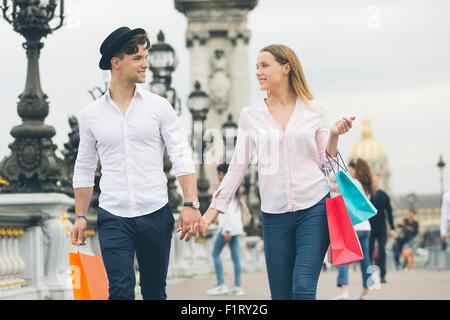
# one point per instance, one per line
(217, 38)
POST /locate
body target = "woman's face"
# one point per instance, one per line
(269, 72)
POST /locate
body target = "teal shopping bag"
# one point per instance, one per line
(358, 205)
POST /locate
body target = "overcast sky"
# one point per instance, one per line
(387, 59)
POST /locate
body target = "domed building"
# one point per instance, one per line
(371, 150)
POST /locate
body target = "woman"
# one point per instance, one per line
(288, 132)
(362, 174)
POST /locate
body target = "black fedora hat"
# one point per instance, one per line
(112, 43)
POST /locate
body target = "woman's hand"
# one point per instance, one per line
(209, 216)
(342, 126)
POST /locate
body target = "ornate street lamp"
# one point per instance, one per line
(163, 61)
(199, 103)
(441, 166)
(32, 165)
(229, 136)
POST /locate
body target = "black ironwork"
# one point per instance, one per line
(199, 104)
(441, 166)
(32, 165)
(163, 62)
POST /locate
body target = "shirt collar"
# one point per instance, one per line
(137, 93)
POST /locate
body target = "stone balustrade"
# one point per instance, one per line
(35, 244)
(11, 263)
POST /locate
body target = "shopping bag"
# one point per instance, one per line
(89, 279)
(344, 243)
(358, 205)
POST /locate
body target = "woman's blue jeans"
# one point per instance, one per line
(295, 244)
(234, 249)
(363, 237)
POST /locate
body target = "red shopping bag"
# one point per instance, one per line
(344, 243)
(89, 279)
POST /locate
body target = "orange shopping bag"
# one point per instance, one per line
(88, 277)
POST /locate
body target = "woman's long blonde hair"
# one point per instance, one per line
(297, 81)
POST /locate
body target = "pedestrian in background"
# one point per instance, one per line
(230, 227)
(382, 203)
(410, 229)
(360, 170)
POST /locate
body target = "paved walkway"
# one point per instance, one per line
(419, 285)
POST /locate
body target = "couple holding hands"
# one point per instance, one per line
(128, 128)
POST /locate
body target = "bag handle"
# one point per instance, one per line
(334, 187)
(337, 162)
(333, 179)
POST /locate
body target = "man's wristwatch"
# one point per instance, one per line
(195, 204)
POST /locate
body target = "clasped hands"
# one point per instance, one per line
(192, 223)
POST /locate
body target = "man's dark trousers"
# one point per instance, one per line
(149, 236)
(381, 237)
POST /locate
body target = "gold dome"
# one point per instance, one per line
(367, 148)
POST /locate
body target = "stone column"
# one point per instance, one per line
(217, 38)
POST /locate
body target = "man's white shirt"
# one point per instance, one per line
(131, 151)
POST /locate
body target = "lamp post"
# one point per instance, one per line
(163, 61)
(32, 165)
(229, 136)
(199, 104)
(441, 166)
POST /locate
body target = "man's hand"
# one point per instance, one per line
(188, 223)
(77, 233)
(391, 233)
(443, 237)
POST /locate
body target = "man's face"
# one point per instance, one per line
(133, 67)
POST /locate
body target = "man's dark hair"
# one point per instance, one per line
(223, 167)
(131, 45)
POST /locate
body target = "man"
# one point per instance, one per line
(381, 201)
(129, 127)
(445, 217)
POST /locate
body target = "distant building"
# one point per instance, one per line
(427, 206)
(371, 150)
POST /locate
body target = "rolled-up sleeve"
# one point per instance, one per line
(176, 142)
(86, 163)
